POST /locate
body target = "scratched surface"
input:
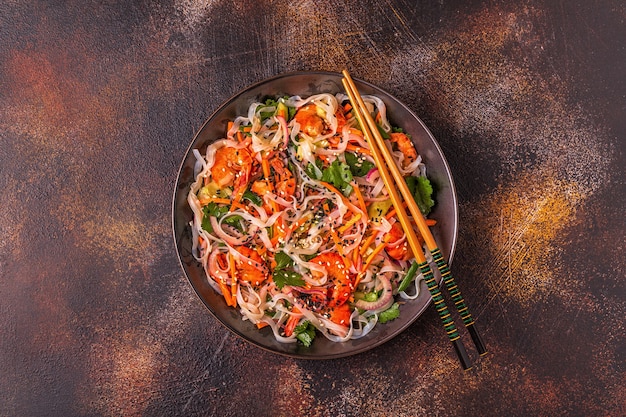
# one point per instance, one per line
(99, 100)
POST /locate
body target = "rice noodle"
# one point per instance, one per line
(273, 256)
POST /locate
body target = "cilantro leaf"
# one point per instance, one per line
(359, 166)
(305, 333)
(282, 260)
(234, 221)
(391, 313)
(252, 197)
(283, 274)
(212, 210)
(339, 175)
(218, 211)
(422, 192)
(284, 277)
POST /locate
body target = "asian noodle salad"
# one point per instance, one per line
(293, 224)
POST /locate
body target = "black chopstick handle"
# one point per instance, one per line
(444, 314)
(478, 341)
(457, 298)
(462, 354)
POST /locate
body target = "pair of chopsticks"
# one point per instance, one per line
(392, 178)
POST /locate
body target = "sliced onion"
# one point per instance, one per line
(231, 240)
(385, 299)
(372, 174)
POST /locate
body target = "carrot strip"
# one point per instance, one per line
(217, 200)
(293, 320)
(359, 149)
(279, 231)
(340, 194)
(294, 226)
(225, 292)
(376, 251)
(350, 223)
(366, 244)
(337, 241)
(347, 107)
(359, 197)
(235, 203)
(431, 222)
(261, 324)
(265, 164)
(355, 257)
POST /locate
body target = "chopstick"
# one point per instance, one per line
(378, 142)
(440, 304)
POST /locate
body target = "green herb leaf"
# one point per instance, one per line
(314, 171)
(252, 197)
(212, 210)
(384, 134)
(292, 112)
(264, 115)
(282, 260)
(391, 313)
(359, 166)
(284, 277)
(305, 333)
(234, 221)
(218, 211)
(338, 174)
(422, 192)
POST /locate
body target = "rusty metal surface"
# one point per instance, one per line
(99, 100)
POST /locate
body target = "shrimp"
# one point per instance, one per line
(341, 119)
(342, 285)
(310, 121)
(405, 146)
(250, 266)
(340, 315)
(397, 246)
(232, 166)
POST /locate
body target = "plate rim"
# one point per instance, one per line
(226, 103)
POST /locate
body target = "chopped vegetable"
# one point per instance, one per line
(391, 313)
(253, 198)
(409, 277)
(377, 210)
(422, 192)
(339, 175)
(283, 274)
(359, 167)
(305, 333)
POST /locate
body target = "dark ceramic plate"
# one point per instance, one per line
(306, 84)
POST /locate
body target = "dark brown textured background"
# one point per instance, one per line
(99, 101)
